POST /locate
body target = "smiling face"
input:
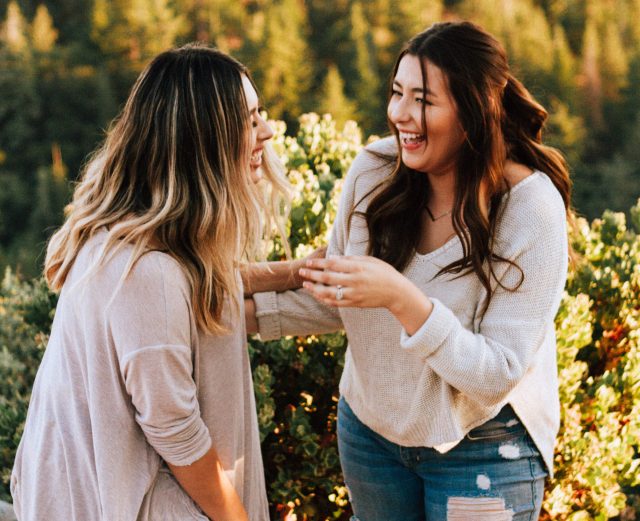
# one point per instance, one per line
(434, 152)
(260, 129)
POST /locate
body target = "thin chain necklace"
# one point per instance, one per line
(434, 219)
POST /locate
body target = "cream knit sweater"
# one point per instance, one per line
(458, 370)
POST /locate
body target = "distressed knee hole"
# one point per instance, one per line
(509, 451)
(483, 482)
(478, 509)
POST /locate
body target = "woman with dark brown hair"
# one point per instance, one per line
(446, 267)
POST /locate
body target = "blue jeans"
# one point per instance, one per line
(494, 474)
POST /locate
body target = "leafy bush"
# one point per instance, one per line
(26, 311)
(296, 379)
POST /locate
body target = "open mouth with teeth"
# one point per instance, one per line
(256, 158)
(411, 139)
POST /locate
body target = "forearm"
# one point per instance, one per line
(207, 484)
(250, 316)
(271, 276)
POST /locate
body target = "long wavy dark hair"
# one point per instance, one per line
(501, 120)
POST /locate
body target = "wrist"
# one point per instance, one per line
(294, 274)
(411, 307)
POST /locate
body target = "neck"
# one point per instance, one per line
(442, 193)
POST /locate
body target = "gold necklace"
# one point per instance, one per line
(434, 219)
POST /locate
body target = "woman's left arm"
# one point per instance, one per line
(259, 277)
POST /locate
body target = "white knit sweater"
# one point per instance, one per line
(459, 369)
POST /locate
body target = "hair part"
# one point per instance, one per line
(501, 121)
(173, 175)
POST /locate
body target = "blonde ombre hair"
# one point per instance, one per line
(275, 200)
(173, 175)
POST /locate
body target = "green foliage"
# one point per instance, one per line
(26, 311)
(597, 459)
(333, 100)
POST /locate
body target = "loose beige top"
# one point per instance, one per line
(128, 382)
(460, 368)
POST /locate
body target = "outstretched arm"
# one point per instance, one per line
(280, 276)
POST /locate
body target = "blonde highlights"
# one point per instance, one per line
(173, 175)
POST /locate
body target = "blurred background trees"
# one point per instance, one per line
(66, 67)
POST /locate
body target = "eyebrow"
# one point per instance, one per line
(417, 90)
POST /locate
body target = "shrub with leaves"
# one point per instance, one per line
(26, 311)
(597, 458)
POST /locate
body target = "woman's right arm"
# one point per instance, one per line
(258, 277)
(150, 322)
(208, 485)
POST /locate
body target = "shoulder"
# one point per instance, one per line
(533, 207)
(373, 164)
(161, 269)
(154, 277)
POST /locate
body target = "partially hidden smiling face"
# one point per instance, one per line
(434, 152)
(260, 129)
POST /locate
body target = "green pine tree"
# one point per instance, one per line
(13, 33)
(333, 100)
(135, 30)
(43, 33)
(285, 70)
(367, 87)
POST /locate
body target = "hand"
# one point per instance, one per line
(366, 282)
(297, 265)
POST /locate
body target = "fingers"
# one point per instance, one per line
(348, 264)
(330, 278)
(329, 294)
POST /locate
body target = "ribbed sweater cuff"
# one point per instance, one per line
(182, 445)
(432, 333)
(267, 316)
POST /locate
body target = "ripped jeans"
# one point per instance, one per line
(494, 474)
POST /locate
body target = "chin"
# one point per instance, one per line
(418, 166)
(256, 174)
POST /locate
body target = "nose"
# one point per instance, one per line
(265, 132)
(397, 110)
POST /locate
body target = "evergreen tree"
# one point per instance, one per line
(285, 67)
(135, 30)
(614, 61)
(366, 85)
(43, 33)
(333, 100)
(591, 74)
(14, 29)
(564, 66)
(51, 195)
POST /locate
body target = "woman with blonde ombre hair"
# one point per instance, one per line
(143, 405)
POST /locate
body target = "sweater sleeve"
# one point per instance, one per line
(489, 363)
(297, 312)
(149, 320)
